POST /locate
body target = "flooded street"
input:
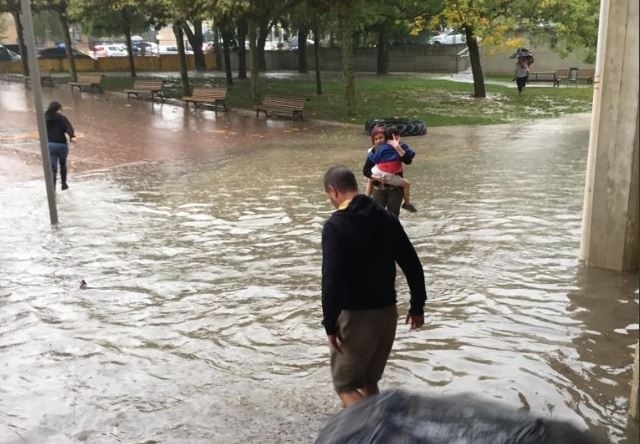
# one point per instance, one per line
(199, 238)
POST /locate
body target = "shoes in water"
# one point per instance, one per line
(65, 186)
(409, 207)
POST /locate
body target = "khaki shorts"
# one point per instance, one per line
(367, 337)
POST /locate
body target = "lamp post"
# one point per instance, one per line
(36, 88)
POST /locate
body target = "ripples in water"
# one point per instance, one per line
(201, 320)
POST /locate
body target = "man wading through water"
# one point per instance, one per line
(361, 244)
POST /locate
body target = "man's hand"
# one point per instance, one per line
(416, 321)
(334, 343)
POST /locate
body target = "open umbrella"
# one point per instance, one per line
(521, 52)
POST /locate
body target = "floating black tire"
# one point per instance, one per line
(406, 127)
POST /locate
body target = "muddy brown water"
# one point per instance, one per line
(199, 238)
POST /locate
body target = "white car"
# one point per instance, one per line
(111, 51)
(164, 50)
(449, 38)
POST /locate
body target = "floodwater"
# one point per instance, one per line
(199, 238)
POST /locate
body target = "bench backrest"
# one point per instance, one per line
(562, 73)
(148, 84)
(90, 78)
(216, 93)
(543, 75)
(586, 73)
(292, 102)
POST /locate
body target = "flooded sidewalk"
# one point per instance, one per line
(199, 239)
(113, 130)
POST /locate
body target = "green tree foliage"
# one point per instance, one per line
(490, 20)
(566, 24)
(109, 17)
(314, 16)
(571, 24)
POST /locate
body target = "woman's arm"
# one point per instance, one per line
(68, 128)
(366, 168)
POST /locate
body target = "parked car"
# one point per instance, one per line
(162, 50)
(14, 56)
(6, 55)
(58, 52)
(448, 38)
(141, 48)
(293, 43)
(111, 51)
(12, 47)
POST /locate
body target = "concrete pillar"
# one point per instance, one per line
(610, 233)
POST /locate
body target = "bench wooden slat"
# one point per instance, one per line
(581, 75)
(282, 105)
(544, 77)
(91, 81)
(152, 87)
(586, 74)
(215, 96)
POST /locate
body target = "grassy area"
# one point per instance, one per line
(435, 101)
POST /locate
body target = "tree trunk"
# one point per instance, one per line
(127, 35)
(177, 31)
(345, 18)
(263, 32)
(242, 50)
(316, 55)
(196, 39)
(218, 50)
(255, 72)
(226, 38)
(383, 50)
(476, 67)
(23, 46)
(67, 43)
(303, 66)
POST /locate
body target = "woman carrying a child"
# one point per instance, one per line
(383, 187)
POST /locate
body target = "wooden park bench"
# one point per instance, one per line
(207, 96)
(92, 82)
(146, 87)
(282, 105)
(544, 77)
(586, 75)
(575, 75)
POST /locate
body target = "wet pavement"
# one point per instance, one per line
(199, 238)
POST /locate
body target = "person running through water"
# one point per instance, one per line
(58, 127)
(522, 71)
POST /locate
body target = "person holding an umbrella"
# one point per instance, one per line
(525, 60)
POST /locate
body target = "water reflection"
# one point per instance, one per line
(201, 251)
